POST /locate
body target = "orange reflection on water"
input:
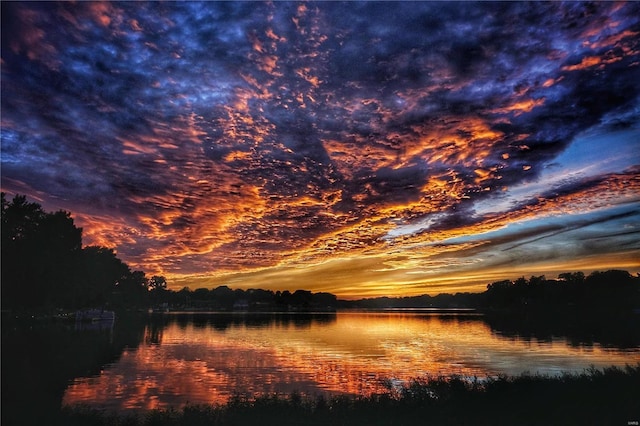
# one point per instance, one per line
(345, 353)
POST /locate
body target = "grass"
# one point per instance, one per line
(594, 397)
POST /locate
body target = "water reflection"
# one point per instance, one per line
(206, 358)
(621, 331)
(40, 360)
(222, 321)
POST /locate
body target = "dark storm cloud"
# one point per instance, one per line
(250, 132)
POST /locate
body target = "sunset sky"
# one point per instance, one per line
(358, 148)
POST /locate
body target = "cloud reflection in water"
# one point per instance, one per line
(197, 362)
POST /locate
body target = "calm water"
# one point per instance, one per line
(176, 359)
(208, 358)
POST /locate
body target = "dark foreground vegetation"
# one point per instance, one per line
(595, 397)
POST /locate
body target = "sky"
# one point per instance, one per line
(359, 148)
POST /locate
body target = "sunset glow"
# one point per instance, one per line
(362, 149)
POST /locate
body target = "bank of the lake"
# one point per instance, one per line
(594, 397)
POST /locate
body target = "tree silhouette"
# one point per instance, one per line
(38, 251)
(131, 290)
(45, 266)
(610, 290)
(103, 271)
(157, 282)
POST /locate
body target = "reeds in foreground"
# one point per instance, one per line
(598, 397)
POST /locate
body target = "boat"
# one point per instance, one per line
(95, 315)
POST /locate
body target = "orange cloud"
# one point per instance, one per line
(420, 264)
(586, 62)
(522, 106)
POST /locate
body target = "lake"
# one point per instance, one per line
(174, 359)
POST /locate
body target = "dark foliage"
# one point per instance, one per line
(45, 267)
(443, 300)
(612, 290)
(256, 300)
(37, 248)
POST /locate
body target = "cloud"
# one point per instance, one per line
(212, 138)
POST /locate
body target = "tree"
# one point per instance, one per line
(157, 287)
(45, 266)
(572, 277)
(103, 273)
(39, 251)
(132, 290)
(157, 282)
(301, 298)
(223, 296)
(183, 297)
(325, 300)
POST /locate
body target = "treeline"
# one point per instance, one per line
(609, 290)
(443, 300)
(225, 299)
(612, 290)
(45, 266)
